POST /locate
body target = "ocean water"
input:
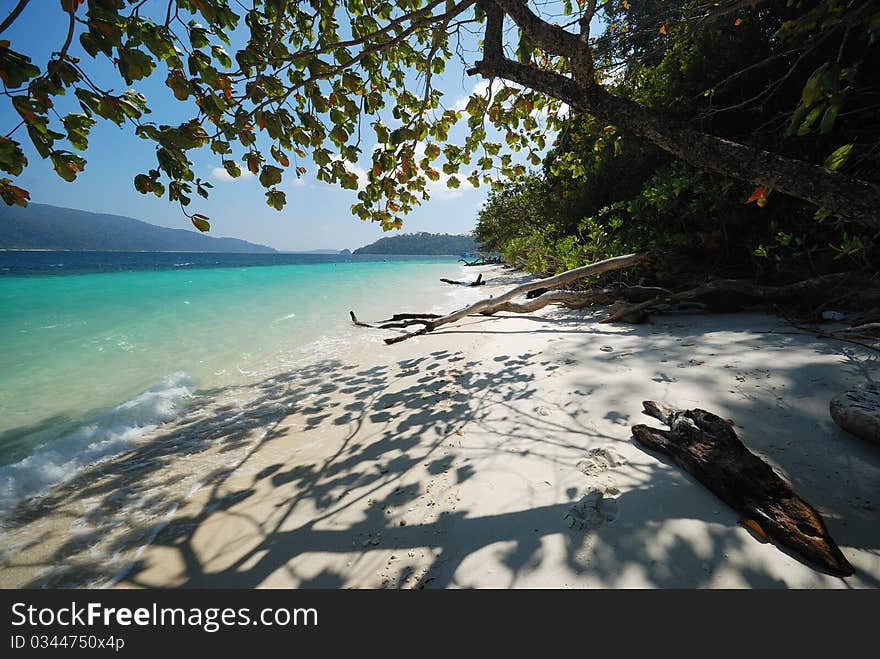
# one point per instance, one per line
(97, 349)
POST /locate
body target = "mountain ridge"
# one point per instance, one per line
(422, 243)
(56, 228)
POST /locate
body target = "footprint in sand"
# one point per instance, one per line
(595, 508)
(599, 460)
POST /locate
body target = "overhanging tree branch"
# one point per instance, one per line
(835, 192)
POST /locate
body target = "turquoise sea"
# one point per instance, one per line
(96, 349)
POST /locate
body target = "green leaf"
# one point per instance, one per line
(827, 124)
(12, 194)
(836, 160)
(15, 68)
(232, 168)
(198, 36)
(221, 56)
(78, 126)
(276, 199)
(811, 119)
(12, 158)
(143, 183)
(134, 64)
(200, 222)
(67, 165)
(270, 175)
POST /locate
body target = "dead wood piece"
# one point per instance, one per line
(707, 447)
(868, 329)
(477, 282)
(398, 320)
(490, 305)
(482, 261)
(356, 321)
(858, 411)
(578, 299)
(411, 316)
(728, 295)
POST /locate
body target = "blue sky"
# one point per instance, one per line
(316, 216)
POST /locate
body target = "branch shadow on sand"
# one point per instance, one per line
(333, 475)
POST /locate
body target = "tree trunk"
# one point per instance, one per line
(492, 304)
(707, 447)
(842, 195)
(838, 193)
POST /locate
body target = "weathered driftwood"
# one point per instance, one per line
(492, 260)
(580, 299)
(398, 320)
(858, 412)
(477, 282)
(493, 304)
(728, 295)
(707, 447)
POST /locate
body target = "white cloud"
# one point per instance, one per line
(220, 174)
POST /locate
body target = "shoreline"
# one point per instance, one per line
(492, 453)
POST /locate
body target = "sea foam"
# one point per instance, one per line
(94, 440)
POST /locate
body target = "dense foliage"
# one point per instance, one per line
(680, 112)
(421, 243)
(802, 79)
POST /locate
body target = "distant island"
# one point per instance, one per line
(41, 226)
(422, 243)
(327, 252)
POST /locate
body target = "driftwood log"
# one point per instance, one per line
(477, 282)
(707, 447)
(858, 411)
(398, 320)
(633, 304)
(728, 295)
(493, 260)
(490, 305)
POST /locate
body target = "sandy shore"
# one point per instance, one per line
(495, 453)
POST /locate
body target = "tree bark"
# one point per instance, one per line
(477, 282)
(843, 195)
(707, 447)
(727, 295)
(838, 193)
(490, 305)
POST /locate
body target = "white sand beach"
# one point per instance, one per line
(492, 453)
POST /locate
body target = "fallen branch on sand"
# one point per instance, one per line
(398, 320)
(707, 447)
(633, 304)
(492, 260)
(477, 282)
(727, 295)
(490, 305)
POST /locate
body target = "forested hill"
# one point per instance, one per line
(40, 226)
(421, 243)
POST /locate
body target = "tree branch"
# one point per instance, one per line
(13, 14)
(552, 39)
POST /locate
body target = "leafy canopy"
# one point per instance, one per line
(272, 86)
